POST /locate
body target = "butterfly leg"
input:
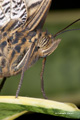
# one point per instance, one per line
(42, 80)
(25, 67)
(2, 83)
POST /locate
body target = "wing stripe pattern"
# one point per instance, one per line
(39, 14)
(13, 10)
(28, 13)
(33, 3)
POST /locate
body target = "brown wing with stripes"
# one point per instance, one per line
(38, 10)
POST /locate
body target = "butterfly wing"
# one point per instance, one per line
(13, 10)
(28, 13)
(38, 10)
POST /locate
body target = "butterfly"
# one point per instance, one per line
(22, 41)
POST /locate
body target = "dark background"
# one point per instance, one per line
(65, 4)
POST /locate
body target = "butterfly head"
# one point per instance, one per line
(47, 44)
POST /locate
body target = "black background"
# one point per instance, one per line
(65, 4)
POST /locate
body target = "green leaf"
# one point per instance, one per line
(11, 107)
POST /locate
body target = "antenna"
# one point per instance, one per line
(64, 29)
